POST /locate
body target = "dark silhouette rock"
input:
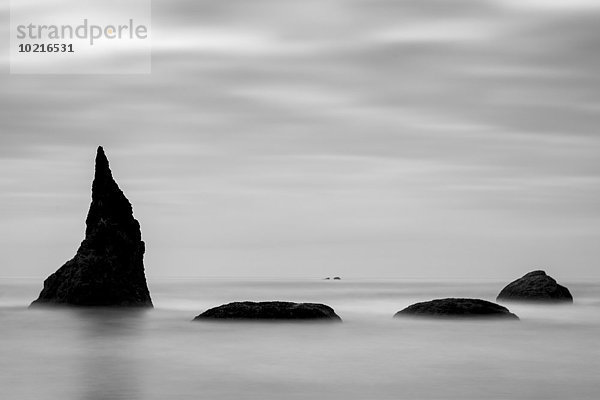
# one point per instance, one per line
(108, 269)
(535, 286)
(456, 308)
(336, 278)
(270, 310)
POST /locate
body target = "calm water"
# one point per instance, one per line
(552, 353)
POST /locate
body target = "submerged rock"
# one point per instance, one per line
(270, 310)
(535, 286)
(456, 308)
(108, 269)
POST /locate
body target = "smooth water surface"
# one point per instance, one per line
(553, 352)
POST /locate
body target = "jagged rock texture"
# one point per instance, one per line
(535, 286)
(456, 308)
(108, 269)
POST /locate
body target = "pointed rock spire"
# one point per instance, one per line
(108, 269)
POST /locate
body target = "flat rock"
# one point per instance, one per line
(456, 308)
(108, 269)
(270, 310)
(535, 286)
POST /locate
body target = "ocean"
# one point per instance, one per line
(553, 352)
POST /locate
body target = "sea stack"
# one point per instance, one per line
(108, 269)
(535, 286)
(456, 308)
(270, 310)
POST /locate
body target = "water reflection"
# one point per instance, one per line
(109, 360)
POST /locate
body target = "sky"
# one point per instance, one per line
(430, 139)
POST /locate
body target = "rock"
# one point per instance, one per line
(337, 278)
(535, 286)
(108, 269)
(456, 308)
(270, 310)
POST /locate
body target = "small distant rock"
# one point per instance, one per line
(535, 286)
(337, 278)
(456, 308)
(270, 310)
(328, 278)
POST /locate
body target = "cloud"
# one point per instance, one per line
(551, 5)
(381, 128)
(438, 31)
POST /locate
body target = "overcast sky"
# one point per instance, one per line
(374, 138)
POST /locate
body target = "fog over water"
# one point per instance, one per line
(551, 353)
